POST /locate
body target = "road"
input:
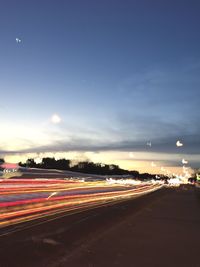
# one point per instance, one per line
(25, 200)
(159, 229)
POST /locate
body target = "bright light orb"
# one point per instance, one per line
(184, 161)
(153, 164)
(131, 155)
(18, 40)
(149, 143)
(56, 119)
(179, 144)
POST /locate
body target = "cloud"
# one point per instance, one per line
(166, 149)
(126, 134)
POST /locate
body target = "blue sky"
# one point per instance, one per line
(117, 73)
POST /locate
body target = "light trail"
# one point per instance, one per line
(25, 200)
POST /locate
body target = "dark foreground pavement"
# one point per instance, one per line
(160, 229)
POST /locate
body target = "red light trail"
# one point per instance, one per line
(25, 200)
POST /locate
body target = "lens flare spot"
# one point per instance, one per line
(55, 118)
(179, 144)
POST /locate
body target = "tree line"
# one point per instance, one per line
(92, 168)
(85, 167)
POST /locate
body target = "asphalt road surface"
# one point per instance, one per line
(159, 229)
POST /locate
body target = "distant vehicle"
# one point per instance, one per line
(197, 183)
(8, 170)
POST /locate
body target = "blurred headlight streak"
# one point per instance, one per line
(23, 200)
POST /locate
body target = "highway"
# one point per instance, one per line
(26, 200)
(160, 228)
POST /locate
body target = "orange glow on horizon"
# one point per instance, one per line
(122, 159)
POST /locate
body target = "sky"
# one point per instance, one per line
(101, 80)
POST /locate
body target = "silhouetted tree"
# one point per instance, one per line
(135, 174)
(22, 164)
(48, 163)
(63, 164)
(52, 163)
(2, 161)
(87, 167)
(31, 163)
